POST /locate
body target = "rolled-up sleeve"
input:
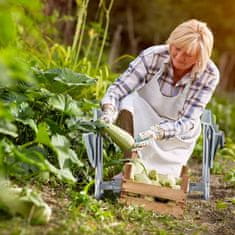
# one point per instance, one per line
(201, 93)
(132, 79)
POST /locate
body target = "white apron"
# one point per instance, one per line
(149, 107)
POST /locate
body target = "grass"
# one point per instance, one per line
(78, 213)
(102, 217)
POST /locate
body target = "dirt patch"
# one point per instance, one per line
(217, 214)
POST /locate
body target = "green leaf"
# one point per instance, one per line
(24, 111)
(43, 134)
(66, 104)
(70, 78)
(75, 123)
(62, 148)
(66, 174)
(29, 122)
(233, 200)
(30, 157)
(54, 126)
(65, 78)
(221, 205)
(62, 174)
(8, 128)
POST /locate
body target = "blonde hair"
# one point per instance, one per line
(196, 38)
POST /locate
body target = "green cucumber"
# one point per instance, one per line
(119, 136)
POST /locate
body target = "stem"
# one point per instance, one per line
(89, 47)
(82, 30)
(99, 18)
(28, 144)
(78, 29)
(100, 78)
(61, 120)
(107, 14)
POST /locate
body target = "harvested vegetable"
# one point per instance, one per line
(119, 136)
(167, 180)
(177, 187)
(142, 178)
(156, 182)
(153, 175)
(140, 174)
(137, 168)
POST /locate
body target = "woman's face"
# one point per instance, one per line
(181, 60)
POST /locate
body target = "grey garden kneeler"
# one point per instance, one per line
(94, 148)
(213, 139)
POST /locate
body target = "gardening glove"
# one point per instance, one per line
(146, 137)
(108, 115)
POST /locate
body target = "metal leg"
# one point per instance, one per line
(206, 167)
(94, 146)
(99, 168)
(212, 139)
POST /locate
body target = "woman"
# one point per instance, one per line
(162, 95)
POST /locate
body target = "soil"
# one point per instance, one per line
(214, 216)
(217, 214)
(210, 216)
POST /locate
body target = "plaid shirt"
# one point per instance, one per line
(142, 70)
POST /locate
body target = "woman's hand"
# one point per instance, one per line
(146, 137)
(108, 113)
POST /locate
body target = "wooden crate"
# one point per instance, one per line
(164, 199)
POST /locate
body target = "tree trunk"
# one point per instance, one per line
(66, 10)
(227, 71)
(131, 32)
(115, 46)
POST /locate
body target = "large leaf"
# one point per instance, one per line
(66, 104)
(62, 174)
(71, 78)
(64, 152)
(30, 157)
(66, 174)
(65, 77)
(29, 122)
(43, 134)
(21, 110)
(8, 128)
(82, 125)
(35, 157)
